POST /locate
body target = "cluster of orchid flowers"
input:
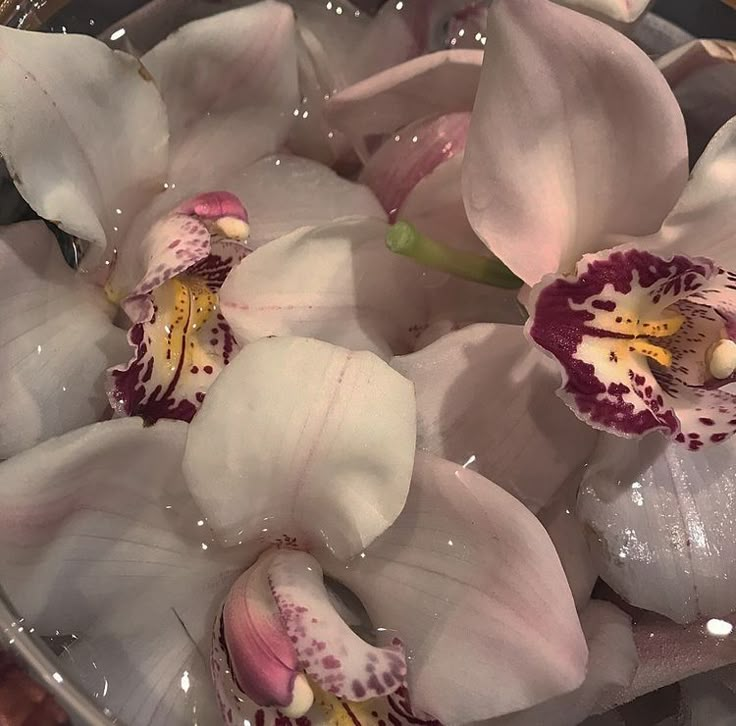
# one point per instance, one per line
(281, 448)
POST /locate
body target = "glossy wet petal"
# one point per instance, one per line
(469, 580)
(57, 340)
(299, 439)
(438, 83)
(701, 74)
(573, 166)
(409, 156)
(662, 530)
(230, 84)
(469, 381)
(102, 120)
(611, 667)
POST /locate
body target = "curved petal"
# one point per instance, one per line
(485, 400)
(469, 580)
(611, 667)
(230, 86)
(283, 193)
(408, 157)
(102, 120)
(701, 222)
(337, 283)
(600, 150)
(302, 440)
(438, 83)
(660, 516)
(340, 662)
(701, 74)
(57, 341)
(99, 539)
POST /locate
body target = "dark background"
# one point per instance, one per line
(702, 18)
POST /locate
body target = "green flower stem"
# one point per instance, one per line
(404, 239)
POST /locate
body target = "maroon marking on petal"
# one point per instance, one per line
(358, 689)
(330, 662)
(706, 421)
(716, 438)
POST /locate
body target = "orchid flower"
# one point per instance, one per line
(297, 471)
(151, 164)
(640, 331)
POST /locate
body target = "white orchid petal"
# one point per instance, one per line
(662, 528)
(230, 84)
(102, 124)
(57, 341)
(301, 439)
(611, 666)
(283, 193)
(470, 582)
(486, 399)
(337, 283)
(575, 135)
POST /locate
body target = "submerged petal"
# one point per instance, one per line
(230, 84)
(601, 149)
(485, 400)
(469, 580)
(101, 120)
(299, 439)
(662, 531)
(57, 340)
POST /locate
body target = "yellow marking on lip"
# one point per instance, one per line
(655, 352)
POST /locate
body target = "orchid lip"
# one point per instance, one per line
(601, 325)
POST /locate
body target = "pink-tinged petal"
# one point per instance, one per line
(337, 283)
(438, 83)
(485, 399)
(620, 11)
(98, 538)
(93, 547)
(303, 440)
(230, 86)
(409, 156)
(283, 193)
(57, 340)
(701, 74)
(103, 123)
(600, 149)
(611, 666)
(203, 236)
(660, 516)
(329, 652)
(622, 309)
(669, 652)
(702, 223)
(178, 353)
(470, 582)
(568, 534)
(250, 634)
